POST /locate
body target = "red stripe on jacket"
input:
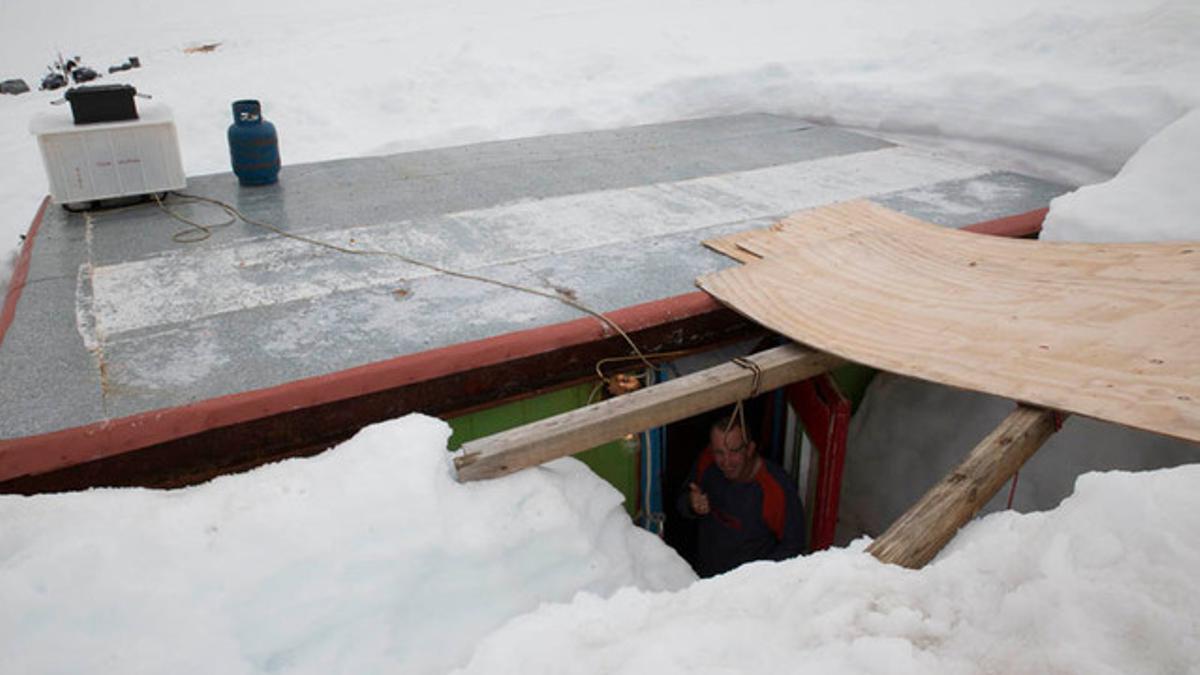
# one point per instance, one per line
(774, 500)
(774, 504)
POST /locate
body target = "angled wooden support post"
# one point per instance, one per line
(932, 522)
(596, 424)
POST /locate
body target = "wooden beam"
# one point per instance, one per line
(593, 425)
(931, 523)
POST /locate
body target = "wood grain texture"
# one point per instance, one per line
(575, 431)
(1110, 331)
(932, 522)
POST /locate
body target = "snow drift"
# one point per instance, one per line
(367, 558)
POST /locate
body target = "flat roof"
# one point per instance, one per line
(116, 320)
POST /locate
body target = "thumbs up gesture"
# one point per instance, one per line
(698, 500)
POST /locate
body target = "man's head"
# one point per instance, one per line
(732, 451)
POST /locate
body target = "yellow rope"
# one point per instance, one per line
(204, 229)
(658, 355)
(739, 409)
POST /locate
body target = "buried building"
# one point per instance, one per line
(495, 284)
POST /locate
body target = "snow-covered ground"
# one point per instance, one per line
(1103, 584)
(1153, 198)
(1069, 88)
(371, 559)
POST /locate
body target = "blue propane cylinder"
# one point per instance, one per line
(253, 145)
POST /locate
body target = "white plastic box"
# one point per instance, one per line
(109, 159)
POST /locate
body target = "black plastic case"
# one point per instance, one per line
(102, 103)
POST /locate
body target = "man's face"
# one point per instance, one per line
(732, 453)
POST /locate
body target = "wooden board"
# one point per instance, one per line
(575, 431)
(925, 529)
(1110, 331)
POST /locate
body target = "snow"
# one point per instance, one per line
(370, 558)
(1072, 88)
(1152, 198)
(1103, 584)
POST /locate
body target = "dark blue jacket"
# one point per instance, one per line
(761, 519)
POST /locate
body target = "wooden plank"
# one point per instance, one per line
(867, 223)
(587, 427)
(734, 245)
(918, 536)
(752, 245)
(1108, 331)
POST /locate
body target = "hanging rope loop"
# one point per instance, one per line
(739, 408)
(753, 367)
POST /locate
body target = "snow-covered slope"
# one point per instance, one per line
(1071, 88)
(1153, 198)
(369, 558)
(1103, 584)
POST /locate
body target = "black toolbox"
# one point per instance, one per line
(102, 103)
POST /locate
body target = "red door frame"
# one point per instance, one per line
(825, 413)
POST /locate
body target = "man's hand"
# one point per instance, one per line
(698, 500)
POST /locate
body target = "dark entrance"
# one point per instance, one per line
(685, 440)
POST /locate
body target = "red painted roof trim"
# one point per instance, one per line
(1020, 225)
(55, 450)
(68, 447)
(21, 272)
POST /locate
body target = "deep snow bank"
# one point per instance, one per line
(368, 558)
(1105, 583)
(1153, 198)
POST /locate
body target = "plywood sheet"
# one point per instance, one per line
(1111, 331)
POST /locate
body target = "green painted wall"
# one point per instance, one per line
(853, 379)
(614, 462)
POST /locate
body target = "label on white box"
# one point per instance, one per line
(109, 159)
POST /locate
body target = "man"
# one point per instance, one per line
(747, 507)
